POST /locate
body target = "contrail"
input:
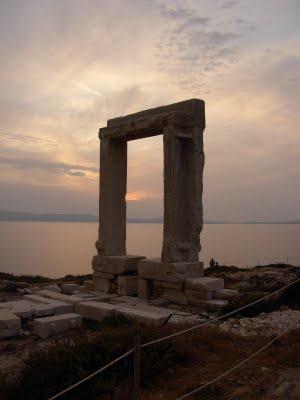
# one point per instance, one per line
(88, 89)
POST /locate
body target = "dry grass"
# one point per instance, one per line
(169, 369)
(210, 353)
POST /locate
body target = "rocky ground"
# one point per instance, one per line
(266, 324)
(281, 313)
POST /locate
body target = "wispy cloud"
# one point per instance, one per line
(27, 138)
(31, 163)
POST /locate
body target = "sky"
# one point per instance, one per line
(69, 65)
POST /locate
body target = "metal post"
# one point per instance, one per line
(136, 368)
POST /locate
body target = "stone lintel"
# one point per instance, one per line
(148, 126)
(196, 107)
(154, 268)
(117, 265)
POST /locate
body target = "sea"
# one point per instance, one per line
(55, 249)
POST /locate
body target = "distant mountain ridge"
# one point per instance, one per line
(53, 217)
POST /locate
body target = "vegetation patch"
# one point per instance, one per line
(67, 359)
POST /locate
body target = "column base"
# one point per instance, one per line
(155, 269)
(117, 265)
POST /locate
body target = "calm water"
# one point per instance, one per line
(56, 249)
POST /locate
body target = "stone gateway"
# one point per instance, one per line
(182, 125)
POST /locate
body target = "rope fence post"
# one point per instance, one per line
(136, 368)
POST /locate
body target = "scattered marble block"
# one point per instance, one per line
(53, 288)
(59, 296)
(70, 288)
(127, 285)
(144, 316)
(22, 308)
(95, 310)
(43, 310)
(59, 306)
(27, 309)
(154, 268)
(49, 326)
(116, 265)
(204, 284)
(226, 294)
(10, 324)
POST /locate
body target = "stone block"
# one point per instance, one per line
(204, 283)
(10, 324)
(199, 294)
(143, 288)
(94, 296)
(49, 326)
(95, 310)
(226, 294)
(175, 296)
(104, 285)
(59, 296)
(28, 309)
(89, 285)
(104, 275)
(70, 288)
(209, 305)
(143, 316)
(169, 285)
(22, 308)
(127, 285)
(58, 306)
(43, 310)
(117, 265)
(54, 288)
(154, 268)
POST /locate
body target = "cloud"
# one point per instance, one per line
(30, 163)
(192, 22)
(85, 62)
(229, 4)
(175, 13)
(71, 173)
(26, 138)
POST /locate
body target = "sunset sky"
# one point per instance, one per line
(69, 65)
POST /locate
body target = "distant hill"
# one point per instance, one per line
(52, 217)
(24, 216)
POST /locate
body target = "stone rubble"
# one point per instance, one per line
(268, 324)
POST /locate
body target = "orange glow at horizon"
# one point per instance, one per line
(136, 196)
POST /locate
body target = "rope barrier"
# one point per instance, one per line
(230, 370)
(177, 334)
(217, 318)
(92, 375)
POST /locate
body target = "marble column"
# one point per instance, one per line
(183, 182)
(112, 203)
